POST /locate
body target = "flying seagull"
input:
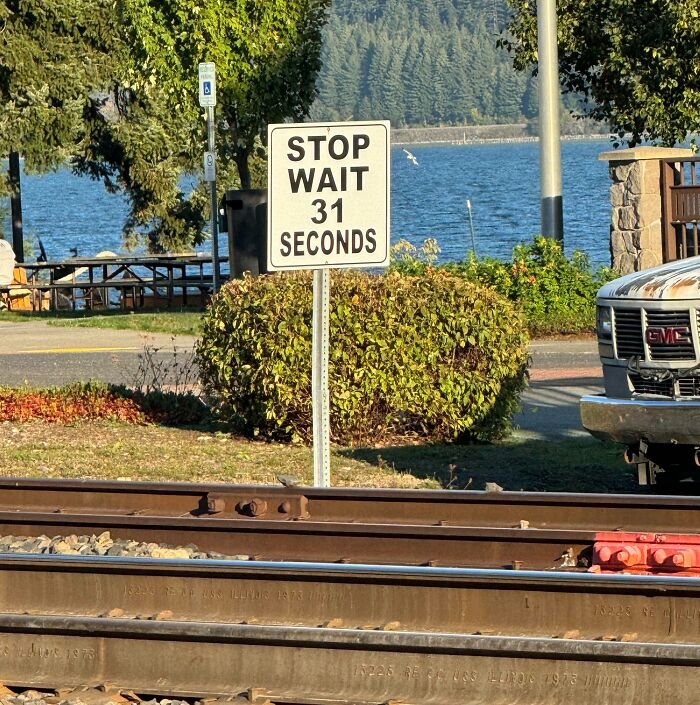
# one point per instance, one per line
(411, 157)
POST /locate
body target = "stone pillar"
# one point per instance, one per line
(635, 197)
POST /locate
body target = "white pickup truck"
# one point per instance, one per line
(648, 326)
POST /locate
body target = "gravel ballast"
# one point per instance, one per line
(104, 545)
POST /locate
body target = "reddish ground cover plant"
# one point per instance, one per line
(95, 401)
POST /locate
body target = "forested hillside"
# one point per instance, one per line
(421, 62)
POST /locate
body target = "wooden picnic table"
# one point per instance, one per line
(92, 278)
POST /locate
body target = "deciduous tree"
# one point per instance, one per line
(111, 85)
(634, 61)
(267, 56)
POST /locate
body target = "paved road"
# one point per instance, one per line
(562, 372)
(39, 354)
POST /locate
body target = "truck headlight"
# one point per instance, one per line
(603, 322)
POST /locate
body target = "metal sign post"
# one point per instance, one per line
(207, 99)
(327, 207)
(319, 378)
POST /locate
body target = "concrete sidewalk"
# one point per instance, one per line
(39, 354)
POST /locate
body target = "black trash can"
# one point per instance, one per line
(246, 222)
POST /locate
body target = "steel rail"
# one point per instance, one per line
(589, 606)
(272, 503)
(296, 664)
(326, 541)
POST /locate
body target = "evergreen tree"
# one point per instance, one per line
(394, 95)
(529, 105)
(470, 80)
(460, 82)
(378, 59)
(510, 88)
(440, 71)
(419, 83)
(57, 57)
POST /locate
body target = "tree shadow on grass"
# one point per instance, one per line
(576, 465)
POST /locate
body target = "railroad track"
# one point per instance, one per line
(415, 601)
(468, 529)
(351, 505)
(360, 634)
(368, 597)
(293, 664)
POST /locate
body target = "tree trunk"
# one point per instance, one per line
(16, 206)
(244, 170)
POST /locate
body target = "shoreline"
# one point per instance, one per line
(480, 134)
(505, 140)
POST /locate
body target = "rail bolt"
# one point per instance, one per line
(684, 559)
(215, 505)
(257, 506)
(629, 556)
(659, 556)
(604, 554)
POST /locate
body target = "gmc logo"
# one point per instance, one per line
(669, 335)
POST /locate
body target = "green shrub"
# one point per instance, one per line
(433, 356)
(555, 293)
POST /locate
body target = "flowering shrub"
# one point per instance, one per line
(555, 293)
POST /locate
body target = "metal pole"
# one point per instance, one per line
(211, 137)
(550, 154)
(471, 227)
(319, 378)
(16, 206)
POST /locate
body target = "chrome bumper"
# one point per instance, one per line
(629, 420)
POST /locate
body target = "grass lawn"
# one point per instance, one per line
(184, 322)
(115, 451)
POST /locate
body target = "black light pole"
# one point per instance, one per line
(16, 207)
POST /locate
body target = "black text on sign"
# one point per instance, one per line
(328, 195)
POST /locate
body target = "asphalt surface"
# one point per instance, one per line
(38, 354)
(562, 371)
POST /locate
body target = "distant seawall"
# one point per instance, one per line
(518, 132)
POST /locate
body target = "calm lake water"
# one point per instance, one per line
(428, 200)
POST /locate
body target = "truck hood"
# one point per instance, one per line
(674, 280)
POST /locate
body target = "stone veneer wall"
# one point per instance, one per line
(635, 197)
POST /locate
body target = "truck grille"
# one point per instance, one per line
(628, 332)
(630, 327)
(648, 386)
(665, 351)
(689, 387)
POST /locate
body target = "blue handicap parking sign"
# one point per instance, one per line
(207, 87)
